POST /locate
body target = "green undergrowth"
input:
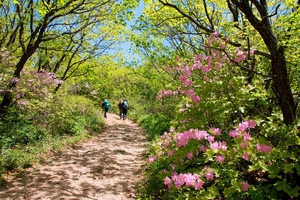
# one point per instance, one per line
(155, 125)
(27, 138)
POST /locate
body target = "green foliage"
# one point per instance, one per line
(155, 125)
(62, 121)
(15, 159)
(16, 129)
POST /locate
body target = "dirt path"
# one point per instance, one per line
(105, 167)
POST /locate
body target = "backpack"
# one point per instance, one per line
(106, 104)
(125, 104)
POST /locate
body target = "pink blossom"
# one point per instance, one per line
(251, 123)
(242, 126)
(152, 159)
(167, 68)
(215, 34)
(167, 143)
(222, 145)
(195, 98)
(219, 65)
(214, 145)
(14, 80)
(245, 186)
(198, 185)
(187, 82)
(264, 148)
(168, 182)
(159, 96)
(170, 152)
(201, 134)
(222, 46)
(246, 156)
(244, 144)
(190, 156)
(233, 134)
(189, 179)
(205, 69)
(211, 138)
(203, 148)
(220, 159)
(215, 131)
(198, 56)
(247, 136)
(171, 130)
(188, 92)
(209, 175)
(206, 79)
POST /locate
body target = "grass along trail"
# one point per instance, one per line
(105, 167)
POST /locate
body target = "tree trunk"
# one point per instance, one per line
(8, 97)
(281, 86)
(280, 79)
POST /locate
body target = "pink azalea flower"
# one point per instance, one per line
(159, 96)
(195, 98)
(211, 138)
(251, 123)
(152, 159)
(247, 136)
(215, 131)
(220, 159)
(203, 148)
(215, 34)
(190, 156)
(189, 179)
(214, 145)
(246, 156)
(209, 175)
(222, 46)
(244, 144)
(168, 182)
(206, 79)
(205, 69)
(264, 148)
(187, 82)
(223, 146)
(198, 185)
(245, 186)
(170, 152)
(233, 134)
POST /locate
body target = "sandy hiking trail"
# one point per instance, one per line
(105, 167)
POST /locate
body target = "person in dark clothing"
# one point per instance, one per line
(120, 105)
(125, 107)
(105, 106)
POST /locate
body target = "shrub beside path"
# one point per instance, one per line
(105, 167)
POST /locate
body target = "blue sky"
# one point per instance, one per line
(125, 46)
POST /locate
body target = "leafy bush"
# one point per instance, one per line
(60, 121)
(155, 124)
(214, 150)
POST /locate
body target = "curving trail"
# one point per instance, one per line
(105, 167)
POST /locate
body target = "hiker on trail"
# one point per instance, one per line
(105, 105)
(125, 107)
(120, 105)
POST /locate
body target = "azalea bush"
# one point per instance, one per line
(228, 140)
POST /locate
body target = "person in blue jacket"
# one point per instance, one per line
(105, 105)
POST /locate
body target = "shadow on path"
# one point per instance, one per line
(107, 166)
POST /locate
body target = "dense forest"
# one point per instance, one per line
(215, 83)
